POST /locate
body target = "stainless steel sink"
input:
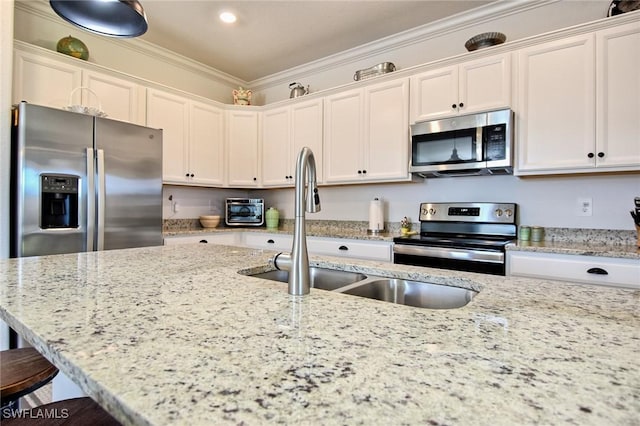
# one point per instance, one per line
(413, 293)
(404, 292)
(322, 278)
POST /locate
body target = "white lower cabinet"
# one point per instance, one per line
(222, 238)
(268, 241)
(355, 249)
(575, 268)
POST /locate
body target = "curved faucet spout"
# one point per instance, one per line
(297, 263)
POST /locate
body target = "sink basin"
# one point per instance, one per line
(414, 293)
(322, 278)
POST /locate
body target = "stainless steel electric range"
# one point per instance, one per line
(460, 236)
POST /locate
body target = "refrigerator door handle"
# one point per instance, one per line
(101, 199)
(91, 199)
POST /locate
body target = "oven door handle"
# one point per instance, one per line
(450, 253)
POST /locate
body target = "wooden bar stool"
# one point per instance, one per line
(23, 371)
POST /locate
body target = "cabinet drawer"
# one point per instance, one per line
(229, 239)
(375, 250)
(268, 241)
(582, 269)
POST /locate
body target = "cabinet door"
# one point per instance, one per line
(242, 148)
(434, 94)
(206, 144)
(355, 249)
(276, 148)
(43, 81)
(268, 241)
(171, 114)
(485, 84)
(618, 94)
(343, 137)
(556, 106)
(386, 131)
(306, 130)
(120, 99)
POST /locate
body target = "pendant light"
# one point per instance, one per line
(115, 18)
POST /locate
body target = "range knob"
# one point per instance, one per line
(508, 212)
(498, 212)
(425, 211)
(432, 211)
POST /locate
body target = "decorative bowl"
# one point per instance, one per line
(209, 221)
(484, 40)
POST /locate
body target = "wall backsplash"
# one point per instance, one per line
(542, 201)
(195, 201)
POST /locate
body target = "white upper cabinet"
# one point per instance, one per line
(579, 107)
(206, 144)
(285, 131)
(171, 114)
(59, 82)
(276, 148)
(556, 105)
(193, 138)
(242, 137)
(480, 85)
(44, 81)
(366, 134)
(618, 97)
(119, 98)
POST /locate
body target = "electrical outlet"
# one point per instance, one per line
(585, 206)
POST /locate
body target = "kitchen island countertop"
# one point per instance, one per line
(175, 335)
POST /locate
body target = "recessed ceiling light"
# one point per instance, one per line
(228, 17)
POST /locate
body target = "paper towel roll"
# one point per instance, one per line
(376, 215)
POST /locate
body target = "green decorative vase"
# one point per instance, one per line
(73, 47)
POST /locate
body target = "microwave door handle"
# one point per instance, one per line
(479, 144)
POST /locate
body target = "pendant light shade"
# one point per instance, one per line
(115, 18)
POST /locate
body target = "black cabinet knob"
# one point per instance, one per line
(461, 104)
(454, 106)
(204, 241)
(601, 154)
(192, 175)
(590, 155)
(270, 241)
(255, 179)
(364, 171)
(186, 175)
(597, 271)
(343, 248)
(359, 172)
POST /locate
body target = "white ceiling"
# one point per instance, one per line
(273, 36)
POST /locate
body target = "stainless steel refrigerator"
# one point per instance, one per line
(82, 183)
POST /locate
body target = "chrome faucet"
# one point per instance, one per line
(297, 262)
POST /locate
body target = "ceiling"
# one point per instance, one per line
(273, 36)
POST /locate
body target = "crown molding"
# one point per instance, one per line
(42, 10)
(409, 37)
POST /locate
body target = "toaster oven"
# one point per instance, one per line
(244, 211)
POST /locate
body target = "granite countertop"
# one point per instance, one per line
(174, 335)
(588, 242)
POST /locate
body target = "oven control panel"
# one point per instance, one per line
(469, 212)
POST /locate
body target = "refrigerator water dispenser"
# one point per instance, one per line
(59, 195)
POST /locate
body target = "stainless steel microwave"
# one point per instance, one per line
(467, 145)
(244, 212)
